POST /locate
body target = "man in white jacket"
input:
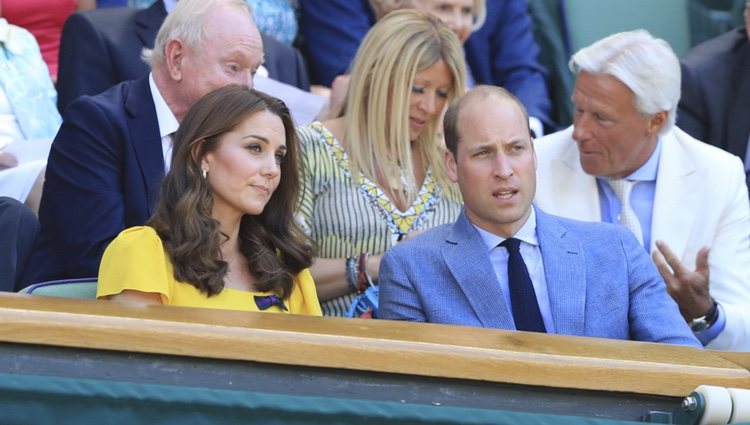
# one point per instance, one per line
(624, 161)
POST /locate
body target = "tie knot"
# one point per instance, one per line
(622, 188)
(511, 244)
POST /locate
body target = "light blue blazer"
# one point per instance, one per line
(601, 283)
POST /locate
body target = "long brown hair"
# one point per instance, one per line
(275, 248)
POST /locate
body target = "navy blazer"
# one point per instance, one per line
(103, 176)
(715, 101)
(503, 52)
(102, 47)
(600, 282)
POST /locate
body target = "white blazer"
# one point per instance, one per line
(701, 199)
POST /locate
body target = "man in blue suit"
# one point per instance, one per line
(107, 161)
(574, 278)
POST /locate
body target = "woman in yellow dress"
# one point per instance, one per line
(223, 234)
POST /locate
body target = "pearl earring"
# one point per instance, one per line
(205, 173)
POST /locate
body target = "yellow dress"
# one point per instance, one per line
(136, 260)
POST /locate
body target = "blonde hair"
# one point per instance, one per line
(384, 7)
(377, 107)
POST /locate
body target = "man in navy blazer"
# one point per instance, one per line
(589, 279)
(111, 153)
(102, 47)
(715, 101)
(502, 52)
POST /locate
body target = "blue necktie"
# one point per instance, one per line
(526, 312)
(264, 302)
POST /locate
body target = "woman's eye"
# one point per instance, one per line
(418, 90)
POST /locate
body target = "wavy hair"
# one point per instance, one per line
(647, 65)
(377, 106)
(275, 247)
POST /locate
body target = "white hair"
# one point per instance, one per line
(185, 22)
(647, 65)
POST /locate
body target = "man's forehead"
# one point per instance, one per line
(484, 115)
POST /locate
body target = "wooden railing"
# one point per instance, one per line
(371, 345)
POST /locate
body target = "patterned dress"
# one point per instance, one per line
(347, 217)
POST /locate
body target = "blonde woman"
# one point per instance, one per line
(375, 174)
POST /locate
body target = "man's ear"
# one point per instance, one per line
(174, 56)
(450, 166)
(657, 122)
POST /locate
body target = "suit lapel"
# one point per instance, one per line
(466, 256)
(148, 21)
(144, 133)
(565, 273)
(679, 189)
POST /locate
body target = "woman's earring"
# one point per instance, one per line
(205, 173)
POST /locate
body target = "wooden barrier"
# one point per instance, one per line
(406, 351)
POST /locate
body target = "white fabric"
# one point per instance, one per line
(627, 216)
(701, 199)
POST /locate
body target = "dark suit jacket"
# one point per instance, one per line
(18, 230)
(503, 52)
(600, 282)
(715, 102)
(103, 176)
(102, 47)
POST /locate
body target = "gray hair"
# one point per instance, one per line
(185, 22)
(647, 65)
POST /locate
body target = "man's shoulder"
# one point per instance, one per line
(716, 50)
(104, 19)
(114, 99)
(580, 229)
(429, 240)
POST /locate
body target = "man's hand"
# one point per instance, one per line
(688, 288)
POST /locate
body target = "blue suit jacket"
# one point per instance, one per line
(503, 52)
(103, 175)
(601, 283)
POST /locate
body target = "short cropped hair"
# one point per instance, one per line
(647, 65)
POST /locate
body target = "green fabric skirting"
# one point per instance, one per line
(26, 399)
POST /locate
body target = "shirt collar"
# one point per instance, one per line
(167, 122)
(527, 233)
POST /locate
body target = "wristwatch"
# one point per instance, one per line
(700, 324)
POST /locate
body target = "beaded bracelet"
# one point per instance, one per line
(351, 272)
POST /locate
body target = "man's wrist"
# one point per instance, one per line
(702, 323)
